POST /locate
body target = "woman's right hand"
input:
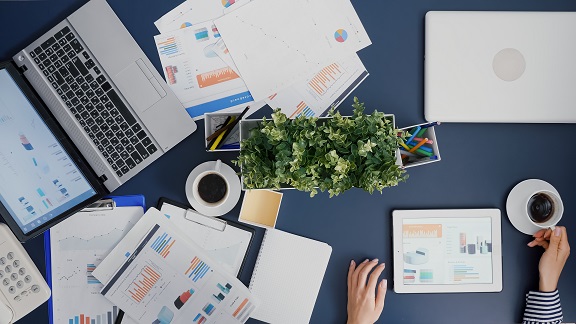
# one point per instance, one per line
(557, 249)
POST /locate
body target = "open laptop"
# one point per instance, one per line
(500, 67)
(82, 110)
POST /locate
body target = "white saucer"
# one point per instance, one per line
(234, 189)
(516, 204)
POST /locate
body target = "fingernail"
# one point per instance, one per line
(375, 260)
(557, 231)
(365, 261)
(351, 262)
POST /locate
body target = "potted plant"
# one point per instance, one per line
(330, 154)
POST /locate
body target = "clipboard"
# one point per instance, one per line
(106, 203)
(212, 225)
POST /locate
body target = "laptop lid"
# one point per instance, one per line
(500, 67)
(43, 179)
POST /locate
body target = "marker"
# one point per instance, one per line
(405, 146)
(419, 151)
(423, 148)
(413, 135)
(420, 133)
(418, 139)
(417, 146)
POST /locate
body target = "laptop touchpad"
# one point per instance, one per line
(137, 88)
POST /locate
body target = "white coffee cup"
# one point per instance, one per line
(213, 188)
(544, 208)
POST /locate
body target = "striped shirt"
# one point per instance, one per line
(542, 307)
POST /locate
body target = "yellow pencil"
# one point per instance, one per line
(219, 138)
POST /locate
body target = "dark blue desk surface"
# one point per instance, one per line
(480, 164)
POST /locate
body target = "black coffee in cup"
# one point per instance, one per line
(212, 188)
(540, 208)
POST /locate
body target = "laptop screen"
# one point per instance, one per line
(38, 178)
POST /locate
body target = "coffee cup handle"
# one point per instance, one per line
(218, 165)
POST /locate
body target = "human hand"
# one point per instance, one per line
(555, 244)
(364, 306)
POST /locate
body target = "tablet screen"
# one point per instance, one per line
(447, 251)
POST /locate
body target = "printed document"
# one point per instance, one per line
(198, 77)
(167, 278)
(77, 246)
(192, 12)
(275, 43)
(328, 88)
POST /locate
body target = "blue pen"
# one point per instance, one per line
(229, 147)
(430, 124)
(413, 135)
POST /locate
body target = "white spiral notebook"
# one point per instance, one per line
(287, 277)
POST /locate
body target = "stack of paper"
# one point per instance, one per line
(157, 274)
(296, 55)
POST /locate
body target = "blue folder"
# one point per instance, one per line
(121, 201)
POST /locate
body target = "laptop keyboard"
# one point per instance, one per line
(87, 93)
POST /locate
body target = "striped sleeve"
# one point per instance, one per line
(542, 307)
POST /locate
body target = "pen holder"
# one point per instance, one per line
(427, 152)
(212, 122)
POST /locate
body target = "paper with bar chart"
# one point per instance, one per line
(447, 251)
(313, 96)
(77, 246)
(199, 78)
(276, 43)
(169, 279)
(227, 247)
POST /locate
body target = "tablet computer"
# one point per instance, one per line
(443, 251)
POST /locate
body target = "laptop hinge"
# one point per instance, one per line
(103, 178)
(22, 68)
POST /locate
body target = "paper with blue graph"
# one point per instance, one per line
(199, 78)
(77, 246)
(167, 278)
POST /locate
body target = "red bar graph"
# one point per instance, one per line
(143, 283)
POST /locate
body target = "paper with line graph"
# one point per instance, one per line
(313, 96)
(200, 79)
(77, 246)
(170, 279)
(275, 43)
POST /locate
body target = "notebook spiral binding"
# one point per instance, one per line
(258, 260)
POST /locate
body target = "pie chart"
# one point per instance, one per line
(186, 24)
(341, 35)
(228, 3)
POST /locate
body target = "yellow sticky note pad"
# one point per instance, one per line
(260, 208)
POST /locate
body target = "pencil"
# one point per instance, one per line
(234, 123)
(214, 143)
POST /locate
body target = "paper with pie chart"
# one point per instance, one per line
(192, 12)
(275, 43)
(167, 278)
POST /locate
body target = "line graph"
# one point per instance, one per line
(99, 242)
